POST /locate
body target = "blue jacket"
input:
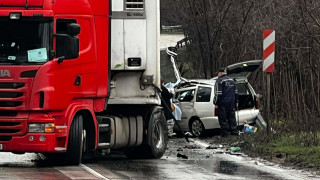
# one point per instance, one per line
(226, 93)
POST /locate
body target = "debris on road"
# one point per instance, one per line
(211, 147)
(182, 156)
(179, 149)
(219, 152)
(235, 149)
(193, 146)
(236, 153)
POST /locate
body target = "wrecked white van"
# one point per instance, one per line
(195, 99)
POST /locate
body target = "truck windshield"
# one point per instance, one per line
(25, 41)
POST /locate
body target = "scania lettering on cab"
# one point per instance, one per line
(78, 77)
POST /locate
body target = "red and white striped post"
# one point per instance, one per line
(268, 64)
(268, 50)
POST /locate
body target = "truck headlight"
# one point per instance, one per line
(41, 128)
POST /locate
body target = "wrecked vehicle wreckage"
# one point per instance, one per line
(195, 99)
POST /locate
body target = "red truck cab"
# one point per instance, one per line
(55, 80)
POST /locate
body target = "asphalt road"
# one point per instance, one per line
(194, 162)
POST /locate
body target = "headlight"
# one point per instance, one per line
(41, 127)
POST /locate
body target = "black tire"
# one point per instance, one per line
(197, 128)
(76, 141)
(155, 142)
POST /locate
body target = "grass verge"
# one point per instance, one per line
(287, 149)
(299, 150)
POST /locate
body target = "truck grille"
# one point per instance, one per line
(8, 113)
(12, 96)
(8, 129)
(5, 138)
(11, 85)
(10, 103)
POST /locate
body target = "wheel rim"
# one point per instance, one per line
(84, 140)
(196, 127)
(158, 134)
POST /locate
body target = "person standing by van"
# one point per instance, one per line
(226, 98)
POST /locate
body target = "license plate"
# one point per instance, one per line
(1, 146)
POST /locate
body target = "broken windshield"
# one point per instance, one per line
(25, 41)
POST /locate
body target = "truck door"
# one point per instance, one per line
(82, 69)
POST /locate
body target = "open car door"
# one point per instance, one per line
(241, 71)
(247, 100)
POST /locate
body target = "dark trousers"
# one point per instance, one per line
(227, 120)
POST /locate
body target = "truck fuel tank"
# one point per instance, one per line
(117, 133)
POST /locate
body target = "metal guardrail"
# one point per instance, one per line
(172, 28)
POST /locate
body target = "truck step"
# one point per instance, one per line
(103, 125)
(103, 145)
(104, 128)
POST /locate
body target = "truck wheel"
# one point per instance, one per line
(76, 141)
(197, 128)
(155, 142)
(157, 137)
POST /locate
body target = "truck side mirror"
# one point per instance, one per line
(67, 44)
(73, 29)
(67, 47)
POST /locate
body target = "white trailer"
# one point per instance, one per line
(135, 54)
(137, 120)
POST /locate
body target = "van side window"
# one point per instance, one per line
(186, 96)
(204, 94)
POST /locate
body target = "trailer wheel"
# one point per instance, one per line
(156, 140)
(157, 137)
(76, 141)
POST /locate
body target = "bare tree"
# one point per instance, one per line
(222, 32)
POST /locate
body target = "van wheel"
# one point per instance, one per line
(76, 141)
(197, 128)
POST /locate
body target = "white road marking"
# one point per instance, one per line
(93, 172)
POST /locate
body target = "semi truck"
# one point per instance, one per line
(81, 77)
